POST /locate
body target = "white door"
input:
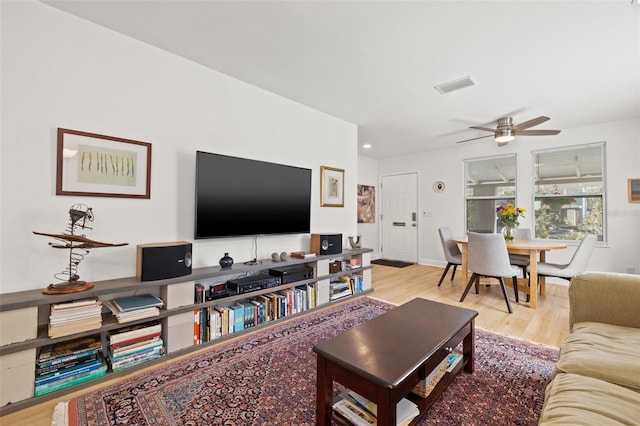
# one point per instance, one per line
(399, 197)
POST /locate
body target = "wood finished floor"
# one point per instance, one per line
(549, 324)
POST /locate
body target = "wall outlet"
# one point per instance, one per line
(631, 270)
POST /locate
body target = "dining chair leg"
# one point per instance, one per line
(453, 274)
(468, 287)
(444, 274)
(504, 293)
(478, 284)
(515, 287)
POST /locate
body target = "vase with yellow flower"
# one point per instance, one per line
(509, 215)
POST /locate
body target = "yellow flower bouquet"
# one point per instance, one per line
(509, 215)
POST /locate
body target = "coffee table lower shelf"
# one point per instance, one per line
(423, 403)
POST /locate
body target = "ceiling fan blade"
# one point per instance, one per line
(531, 123)
(486, 129)
(537, 132)
(473, 139)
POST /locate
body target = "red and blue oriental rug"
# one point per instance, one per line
(269, 378)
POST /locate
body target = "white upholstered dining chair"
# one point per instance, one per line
(452, 253)
(576, 265)
(488, 257)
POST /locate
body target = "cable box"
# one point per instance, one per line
(289, 274)
(252, 283)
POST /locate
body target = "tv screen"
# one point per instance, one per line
(239, 197)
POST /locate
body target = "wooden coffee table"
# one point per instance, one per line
(383, 359)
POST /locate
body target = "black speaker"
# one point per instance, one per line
(326, 244)
(163, 260)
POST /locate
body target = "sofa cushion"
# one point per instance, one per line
(571, 399)
(602, 351)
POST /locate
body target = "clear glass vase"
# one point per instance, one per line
(509, 232)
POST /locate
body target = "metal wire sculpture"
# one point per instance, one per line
(74, 240)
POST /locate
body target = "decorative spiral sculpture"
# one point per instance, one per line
(74, 240)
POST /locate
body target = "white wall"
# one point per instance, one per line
(369, 232)
(61, 71)
(447, 208)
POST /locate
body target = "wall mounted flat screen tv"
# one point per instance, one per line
(240, 197)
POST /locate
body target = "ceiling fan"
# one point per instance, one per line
(506, 131)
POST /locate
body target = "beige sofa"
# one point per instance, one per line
(597, 378)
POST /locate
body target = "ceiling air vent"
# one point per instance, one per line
(458, 84)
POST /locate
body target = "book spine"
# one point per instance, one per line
(66, 358)
(60, 367)
(42, 390)
(196, 326)
(119, 354)
(66, 374)
(119, 337)
(135, 340)
(138, 362)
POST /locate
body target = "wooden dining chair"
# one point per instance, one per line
(452, 253)
(487, 256)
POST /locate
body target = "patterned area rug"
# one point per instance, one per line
(269, 377)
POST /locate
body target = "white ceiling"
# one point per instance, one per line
(374, 63)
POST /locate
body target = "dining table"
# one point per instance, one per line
(535, 249)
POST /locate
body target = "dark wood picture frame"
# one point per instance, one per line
(633, 185)
(89, 164)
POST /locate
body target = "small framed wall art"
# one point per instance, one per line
(634, 190)
(331, 187)
(95, 165)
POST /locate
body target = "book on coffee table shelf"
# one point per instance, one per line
(453, 359)
(360, 411)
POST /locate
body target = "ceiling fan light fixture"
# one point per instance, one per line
(504, 136)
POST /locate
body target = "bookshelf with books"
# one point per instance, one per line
(175, 313)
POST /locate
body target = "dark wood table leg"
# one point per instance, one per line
(324, 395)
(386, 408)
(468, 348)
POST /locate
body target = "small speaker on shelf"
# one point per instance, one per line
(326, 243)
(163, 260)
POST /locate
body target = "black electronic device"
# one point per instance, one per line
(159, 261)
(322, 244)
(217, 291)
(238, 196)
(289, 274)
(252, 283)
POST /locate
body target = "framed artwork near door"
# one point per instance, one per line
(331, 187)
(366, 204)
(634, 190)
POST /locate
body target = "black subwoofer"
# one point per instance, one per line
(163, 260)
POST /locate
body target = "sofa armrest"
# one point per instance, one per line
(605, 297)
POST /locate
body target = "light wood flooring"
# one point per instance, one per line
(549, 324)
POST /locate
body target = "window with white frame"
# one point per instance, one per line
(489, 182)
(569, 192)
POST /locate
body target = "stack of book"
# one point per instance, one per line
(341, 287)
(135, 344)
(361, 412)
(66, 364)
(133, 308)
(74, 317)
